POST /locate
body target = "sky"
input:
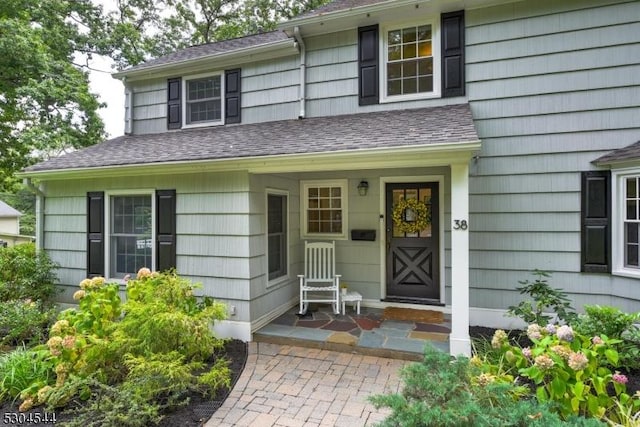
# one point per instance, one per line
(110, 90)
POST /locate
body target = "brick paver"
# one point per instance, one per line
(294, 386)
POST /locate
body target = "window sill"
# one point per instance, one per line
(632, 274)
(403, 98)
(278, 281)
(204, 124)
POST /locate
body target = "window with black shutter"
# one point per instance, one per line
(452, 40)
(596, 222)
(174, 103)
(232, 96)
(95, 234)
(368, 65)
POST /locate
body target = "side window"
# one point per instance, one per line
(277, 235)
(324, 209)
(130, 234)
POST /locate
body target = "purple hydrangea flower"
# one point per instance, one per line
(550, 328)
(565, 333)
(619, 378)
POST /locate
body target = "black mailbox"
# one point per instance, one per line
(368, 235)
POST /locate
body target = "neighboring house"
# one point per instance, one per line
(502, 116)
(10, 226)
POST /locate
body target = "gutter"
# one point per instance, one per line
(303, 71)
(39, 212)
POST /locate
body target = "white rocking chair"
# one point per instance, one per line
(319, 283)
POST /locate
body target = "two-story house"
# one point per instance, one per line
(508, 120)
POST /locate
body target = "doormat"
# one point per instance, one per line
(412, 315)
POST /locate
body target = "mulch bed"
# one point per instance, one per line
(196, 413)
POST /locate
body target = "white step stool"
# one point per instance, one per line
(352, 297)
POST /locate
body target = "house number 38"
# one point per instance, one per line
(460, 224)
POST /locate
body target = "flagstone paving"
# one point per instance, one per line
(367, 332)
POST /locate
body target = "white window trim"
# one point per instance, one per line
(304, 203)
(185, 80)
(434, 21)
(617, 223)
(107, 226)
(286, 276)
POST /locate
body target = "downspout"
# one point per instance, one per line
(303, 71)
(39, 212)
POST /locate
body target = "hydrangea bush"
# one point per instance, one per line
(569, 370)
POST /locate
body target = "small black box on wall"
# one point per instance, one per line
(368, 235)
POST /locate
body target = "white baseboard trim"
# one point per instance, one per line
(494, 318)
(373, 303)
(232, 329)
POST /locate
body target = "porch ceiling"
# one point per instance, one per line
(417, 137)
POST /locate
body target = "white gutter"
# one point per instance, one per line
(303, 71)
(39, 212)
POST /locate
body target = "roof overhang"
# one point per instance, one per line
(390, 10)
(430, 155)
(281, 48)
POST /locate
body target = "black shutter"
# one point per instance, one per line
(95, 234)
(174, 103)
(596, 222)
(165, 229)
(368, 48)
(232, 96)
(452, 53)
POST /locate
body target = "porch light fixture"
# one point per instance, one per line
(363, 188)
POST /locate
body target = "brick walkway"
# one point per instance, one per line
(294, 386)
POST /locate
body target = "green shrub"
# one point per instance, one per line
(102, 405)
(26, 274)
(24, 370)
(542, 298)
(152, 346)
(570, 371)
(614, 323)
(442, 391)
(23, 321)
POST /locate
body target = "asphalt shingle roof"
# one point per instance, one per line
(424, 126)
(630, 152)
(225, 46)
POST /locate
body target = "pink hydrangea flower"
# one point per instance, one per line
(565, 333)
(577, 361)
(543, 362)
(597, 341)
(620, 378)
(534, 332)
(526, 352)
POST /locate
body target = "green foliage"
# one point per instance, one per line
(163, 314)
(47, 106)
(445, 392)
(102, 405)
(542, 298)
(569, 371)
(614, 323)
(23, 369)
(26, 274)
(152, 346)
(24, 321)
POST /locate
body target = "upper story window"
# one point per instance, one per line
(410, 61)
(324, 210)
(203, 100)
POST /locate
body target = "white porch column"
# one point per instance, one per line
(459, 341)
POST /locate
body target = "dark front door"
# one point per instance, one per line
(413, 264)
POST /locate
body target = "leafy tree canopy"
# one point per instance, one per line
(46, 47)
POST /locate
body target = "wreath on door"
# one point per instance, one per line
(422, 216)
